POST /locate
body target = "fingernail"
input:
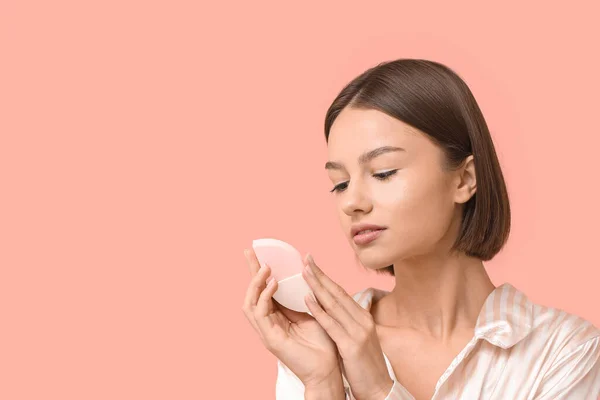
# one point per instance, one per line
(308, 270)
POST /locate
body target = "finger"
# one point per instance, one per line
(256, 286)
(335, 294)
(264, 310)
(254, 266)
(329, 302)
(337, 333)
(252, 261)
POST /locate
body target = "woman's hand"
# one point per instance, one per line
(293, 337)
(353, 330)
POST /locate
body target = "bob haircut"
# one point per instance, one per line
(431, 97)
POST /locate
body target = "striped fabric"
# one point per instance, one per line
(520, 350)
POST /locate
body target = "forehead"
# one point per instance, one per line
(356, 130)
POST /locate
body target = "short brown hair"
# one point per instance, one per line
(431, 97)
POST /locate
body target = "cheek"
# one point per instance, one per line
(419, 208)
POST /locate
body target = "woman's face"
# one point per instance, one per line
(415, 203)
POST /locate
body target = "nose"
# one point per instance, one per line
(356, 199)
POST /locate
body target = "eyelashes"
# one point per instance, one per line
(382, 176)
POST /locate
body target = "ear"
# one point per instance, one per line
(466, 181)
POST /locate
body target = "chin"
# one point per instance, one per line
(373, 259)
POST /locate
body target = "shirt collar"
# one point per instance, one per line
(505, 319)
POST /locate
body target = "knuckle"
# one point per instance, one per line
(362, 335)
(327, 305)
(339, 290)
(327, 324)
(257, 280)
(336, 305)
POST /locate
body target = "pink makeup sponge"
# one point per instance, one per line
(286, 267)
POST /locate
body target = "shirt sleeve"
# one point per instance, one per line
(399, 392)
(289, 387)
(575, 375)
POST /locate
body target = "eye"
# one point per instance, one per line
(338, 187)
(385, 175)
(382, 176)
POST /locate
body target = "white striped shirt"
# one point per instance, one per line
(520, 350)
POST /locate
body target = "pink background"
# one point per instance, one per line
(145, 144)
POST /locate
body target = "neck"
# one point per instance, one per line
(438, 294)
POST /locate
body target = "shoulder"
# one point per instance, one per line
(564, 330)
(510, 318)
(568, 353)
(550, 337)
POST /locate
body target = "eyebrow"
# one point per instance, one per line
(365, 157)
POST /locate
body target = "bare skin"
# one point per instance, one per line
(421, 350)
(430, 315)
(295, 338)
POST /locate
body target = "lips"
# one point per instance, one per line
(363, 234)
(365, 231)
(365, 237)
(364, 228)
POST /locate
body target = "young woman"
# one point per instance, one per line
(420, 196)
